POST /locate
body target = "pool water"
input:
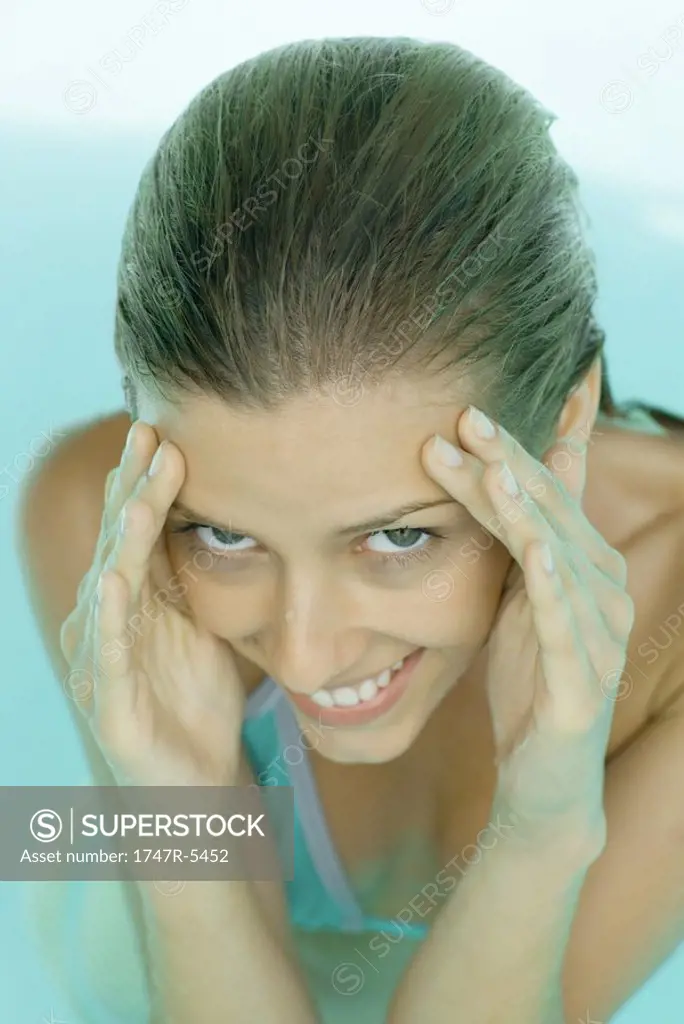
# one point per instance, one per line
(61, 222)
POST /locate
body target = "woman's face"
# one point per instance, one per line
(284, 564)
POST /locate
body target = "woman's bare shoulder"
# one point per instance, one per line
(653, 675)
(635, 499)
(57, 526)
(58, 522)
(61, 502)
(84, 455)
(60, 509)
(661, 651)
(92, 448)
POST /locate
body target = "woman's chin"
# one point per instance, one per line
(370, 746)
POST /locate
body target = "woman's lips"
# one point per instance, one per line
(365, 711)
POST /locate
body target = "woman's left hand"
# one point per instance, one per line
(558, 644)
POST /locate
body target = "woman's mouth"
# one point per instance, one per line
(363, 702)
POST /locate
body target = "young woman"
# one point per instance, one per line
(440, 586)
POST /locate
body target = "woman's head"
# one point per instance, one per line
(335, 248)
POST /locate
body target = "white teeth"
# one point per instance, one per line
(345, 696)
(384, 678)
(369, 688)
(349, 696)
(323, 697)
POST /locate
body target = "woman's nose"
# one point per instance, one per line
(306, 655)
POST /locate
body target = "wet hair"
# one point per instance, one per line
(334, 212)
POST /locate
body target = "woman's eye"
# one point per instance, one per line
(402, 540)
(222, 541)
(393, 547)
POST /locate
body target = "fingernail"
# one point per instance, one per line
(547, 559)
(508, 481)
(484, 427)
(446, 452)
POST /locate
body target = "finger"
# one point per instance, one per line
(489, 440)
(598, 600)
(516, 520)
(518, 517)
(566, 476)
(141, 445)
(87, 585)
(481, 489)
(138, 452)
(519, 522)
(115, 696)
(522, 527)
(556, 487)
(77, 630)
(599, 605)
(143, 517)
(573, 702)
(577, 652)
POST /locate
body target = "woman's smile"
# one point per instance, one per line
(357, 705)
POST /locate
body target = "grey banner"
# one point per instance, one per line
(155, 833)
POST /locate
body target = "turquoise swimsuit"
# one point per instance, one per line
(319, 897)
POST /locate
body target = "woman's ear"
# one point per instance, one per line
(567, 456)
(578, 417)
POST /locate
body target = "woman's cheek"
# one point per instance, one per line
(452, 611)
(460, 596)
(229, 612)
(193, 580)
(221, 615)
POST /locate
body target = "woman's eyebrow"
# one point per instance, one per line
(391, 516)
(367, 526)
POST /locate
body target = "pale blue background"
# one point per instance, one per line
(66, 181)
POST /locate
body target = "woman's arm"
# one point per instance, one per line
(222, 951)
(495, 953)
(213, 957)
(214, 944)
(555, 655)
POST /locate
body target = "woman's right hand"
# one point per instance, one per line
(165, 700)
